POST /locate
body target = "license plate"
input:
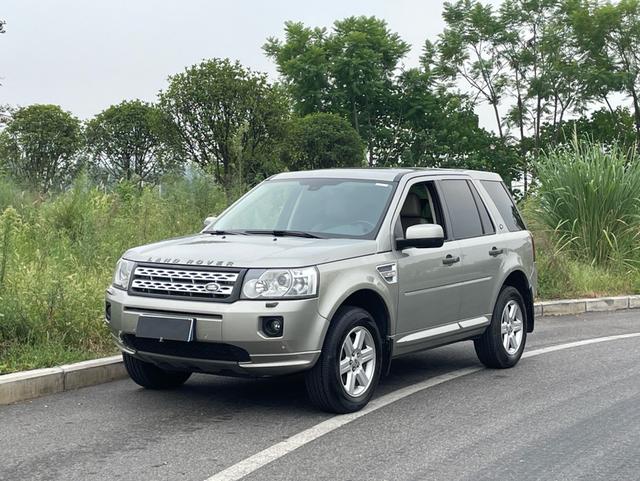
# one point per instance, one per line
(166, 328)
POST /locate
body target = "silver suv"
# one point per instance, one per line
(334, 273)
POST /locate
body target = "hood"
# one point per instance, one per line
(259, 251)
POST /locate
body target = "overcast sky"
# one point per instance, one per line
(86, 55)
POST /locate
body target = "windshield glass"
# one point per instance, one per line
(322, 207)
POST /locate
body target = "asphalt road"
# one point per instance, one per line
(571, 414)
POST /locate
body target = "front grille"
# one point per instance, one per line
(194, 350)
(214, 285)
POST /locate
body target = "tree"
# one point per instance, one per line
(608, 35)
(440, 129)
(127, 140)
(225, 116)
(39, 146)
(603, 127)
(349, 71)
(321, 141)
(468, 50)
(522, 60)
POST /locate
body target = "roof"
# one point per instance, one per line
(388, 175)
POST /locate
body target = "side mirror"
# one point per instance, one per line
(422, 236)
(209, 220)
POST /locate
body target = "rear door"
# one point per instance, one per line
(480, 249)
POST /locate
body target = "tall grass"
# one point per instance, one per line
(57, 257)
(589, 198)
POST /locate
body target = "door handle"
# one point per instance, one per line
(496, 252)
(447, 261)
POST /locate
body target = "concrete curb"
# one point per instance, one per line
(24, 385)
(580, 306)
(20, 386)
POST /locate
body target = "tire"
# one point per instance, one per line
(502, 344)
(151, 376)
(335, 383)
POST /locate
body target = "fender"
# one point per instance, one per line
(340, 280)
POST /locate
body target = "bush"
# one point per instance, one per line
(57, 257)
(589, 198)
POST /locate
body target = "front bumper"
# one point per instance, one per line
(236, 324)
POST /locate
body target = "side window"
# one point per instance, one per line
(420, 206)
(505, 205)
(463, 213)
(487, 225)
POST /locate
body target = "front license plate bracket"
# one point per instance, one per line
(166, 328)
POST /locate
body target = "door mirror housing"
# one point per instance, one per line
(209, 220)
(422, 236)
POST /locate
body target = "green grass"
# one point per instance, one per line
(589, 196)
(57, 257)
(563, 276)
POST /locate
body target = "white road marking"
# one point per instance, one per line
(272, 453)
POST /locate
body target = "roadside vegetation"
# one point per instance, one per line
(75, 194)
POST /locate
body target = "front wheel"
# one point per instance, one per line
(151, 376)
(347, 373)
(502, 344)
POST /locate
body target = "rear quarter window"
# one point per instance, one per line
(505, 205)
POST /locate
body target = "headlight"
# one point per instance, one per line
(122, 274)
(280, 283)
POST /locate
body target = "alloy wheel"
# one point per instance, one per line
(357, 361)
(511, 325)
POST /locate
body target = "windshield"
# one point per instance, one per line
(319, 207)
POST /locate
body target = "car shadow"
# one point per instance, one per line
(224, 396)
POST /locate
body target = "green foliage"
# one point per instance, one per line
(440, 129)
(57, 257)
(127, 141)
(321, 141)
(608, 35)
(468, 49)
(563, 276)
(602, 126)
(589, 197)
(404, 118)
(349, 71)
(226, 119)
(39, 146)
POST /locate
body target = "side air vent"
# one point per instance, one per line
(389, 272)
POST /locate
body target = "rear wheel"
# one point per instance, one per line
(502, 344)
(151, 376)
(347, 373)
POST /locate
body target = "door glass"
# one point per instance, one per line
(487, 225)
(465, 220)
(505, 205)
(419, 207)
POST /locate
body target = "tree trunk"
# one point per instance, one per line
(636, 115)
(523, 153)
(497, 114)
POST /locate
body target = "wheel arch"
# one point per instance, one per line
(375, 304)
(519, 280)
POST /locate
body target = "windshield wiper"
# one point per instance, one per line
(225, 232)
(284, 233)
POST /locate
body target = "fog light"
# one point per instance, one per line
(272, 326)
(107, 311)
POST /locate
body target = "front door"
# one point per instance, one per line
(429, 278)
